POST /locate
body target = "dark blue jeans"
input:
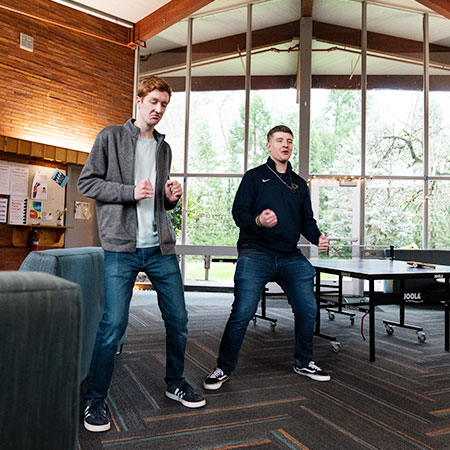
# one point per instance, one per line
(121, 270)
(295, 275)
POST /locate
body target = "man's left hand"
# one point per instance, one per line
(173, 190)
(323, 244)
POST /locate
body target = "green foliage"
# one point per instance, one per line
(335, 134)
(175, 216)
(260, 123)
(439, 200)
(394, 210)
(209, 212)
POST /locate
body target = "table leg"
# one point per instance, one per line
(402, 302)
(371, 321)
(317, 326)
(447, 313)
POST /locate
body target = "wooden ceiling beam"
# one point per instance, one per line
(166, 16)
(403, 82)
(232, 83)
(307, 8)
(380, 43)
(442, 7)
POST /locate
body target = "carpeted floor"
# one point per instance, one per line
(401, 401)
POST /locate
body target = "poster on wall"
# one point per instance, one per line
(59, 178)
(19, 181)
(18, 211)
(35, 209)
(39, 186)
(4, 199)
(5, 178)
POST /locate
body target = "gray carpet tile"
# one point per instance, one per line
(400, 401)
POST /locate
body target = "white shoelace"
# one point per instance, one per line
(314, 366)
(217, 373)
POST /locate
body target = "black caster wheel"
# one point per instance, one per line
(336, 346)
(421, 337)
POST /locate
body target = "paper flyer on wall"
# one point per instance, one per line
(18, 211)
(5, 178)
(39, 186)
(4, 199)
(82, 210)
(35, 209)
(19, 181)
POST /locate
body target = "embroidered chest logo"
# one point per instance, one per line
(265, 180)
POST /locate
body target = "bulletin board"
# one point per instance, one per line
(38, 193)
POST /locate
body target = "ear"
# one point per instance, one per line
(138, 100)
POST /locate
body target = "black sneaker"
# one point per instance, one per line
(312, 371)
(215, 379)
(186, 396)
(96, 415)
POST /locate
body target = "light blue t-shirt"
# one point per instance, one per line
(145, 167)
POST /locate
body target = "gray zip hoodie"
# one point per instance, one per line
(108, 177)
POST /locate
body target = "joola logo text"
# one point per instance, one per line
(412, 296)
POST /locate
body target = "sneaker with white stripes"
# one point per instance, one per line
(96, 415)
(215, 379)
(185, 395)
(313, 371)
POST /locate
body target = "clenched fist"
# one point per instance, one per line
(268, 218)
(173, 190)
(143, 189)
(323, 244)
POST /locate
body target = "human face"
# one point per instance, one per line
(280, 148)
(152, 107)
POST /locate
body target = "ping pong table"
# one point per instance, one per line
(380, 269)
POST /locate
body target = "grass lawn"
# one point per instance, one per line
(195, 270)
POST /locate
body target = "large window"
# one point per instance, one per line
(395, 101)
(439, 204)
(439, 97)
(209, 211)
(384, 151)
(335, 131)
(336, 89)
(394, 213)
(218, 91)
(165, 56)
(275, 43)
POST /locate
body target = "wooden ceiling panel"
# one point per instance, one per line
(216, 48)
(273, 36)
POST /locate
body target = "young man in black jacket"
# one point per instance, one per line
(272, 208)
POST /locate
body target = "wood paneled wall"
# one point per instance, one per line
(55, 100)
(72, 85)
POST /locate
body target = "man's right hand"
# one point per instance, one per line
(143, 189)
(268, 218)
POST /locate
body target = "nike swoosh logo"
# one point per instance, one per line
(265, 180)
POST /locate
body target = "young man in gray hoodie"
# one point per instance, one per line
(127, 173)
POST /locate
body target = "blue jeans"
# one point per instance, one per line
(121, 270)
(295, 275)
